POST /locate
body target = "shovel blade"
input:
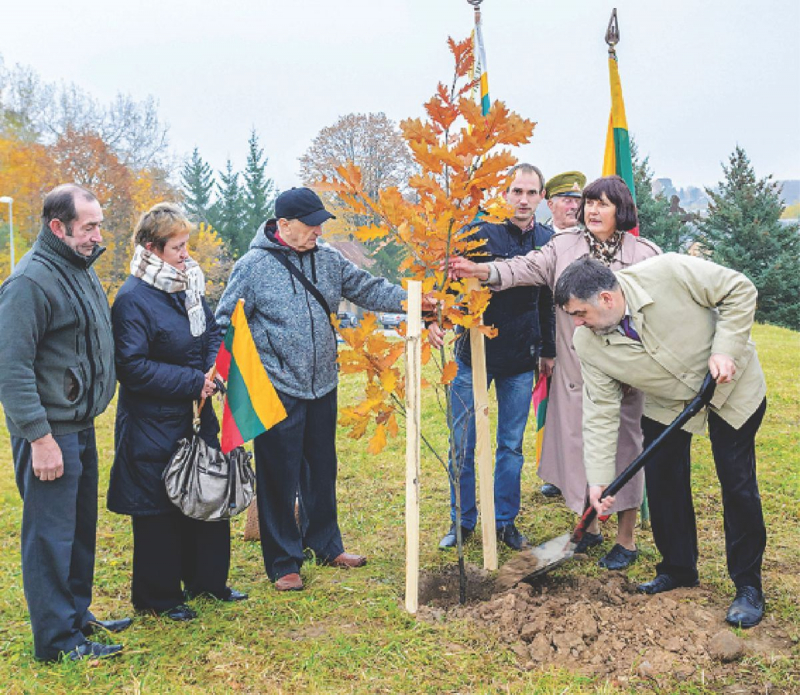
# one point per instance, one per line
(529, 564)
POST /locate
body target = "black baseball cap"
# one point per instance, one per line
(301, 204)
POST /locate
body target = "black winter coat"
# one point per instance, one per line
(523, 316)
(161, 369)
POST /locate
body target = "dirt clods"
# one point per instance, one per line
(600, 626)
(726, 647)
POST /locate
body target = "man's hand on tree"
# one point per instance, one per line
(46, 458)
(429, 303)
(436, 335)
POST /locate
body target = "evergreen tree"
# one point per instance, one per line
(259, 193)
(656, 222)
(743, 231)
(228, 211)
(197, 181)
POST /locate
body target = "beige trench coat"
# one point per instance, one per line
(562, 450)
(685, 309)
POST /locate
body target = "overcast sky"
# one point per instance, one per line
(699, 77)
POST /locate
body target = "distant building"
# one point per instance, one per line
(355, 252)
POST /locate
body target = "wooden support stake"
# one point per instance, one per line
(483, 451)
(413, 377)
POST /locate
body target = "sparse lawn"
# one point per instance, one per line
(348, 631)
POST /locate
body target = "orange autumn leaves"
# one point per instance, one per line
(461, 158)
(28, 170)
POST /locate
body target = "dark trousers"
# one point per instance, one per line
(669, 494)
(295, 456)
(172, 549)
(59, 528)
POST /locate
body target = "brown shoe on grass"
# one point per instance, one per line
(289, 582)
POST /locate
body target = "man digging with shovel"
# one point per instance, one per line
(659, 326)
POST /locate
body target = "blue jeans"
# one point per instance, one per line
(513, 406)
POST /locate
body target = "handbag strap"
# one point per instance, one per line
(197, 406)
(304, 281)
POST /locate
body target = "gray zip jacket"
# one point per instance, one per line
(57, 350)
(289, 326)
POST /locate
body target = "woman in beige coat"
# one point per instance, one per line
(607, 213)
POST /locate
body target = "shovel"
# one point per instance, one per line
(543, 558)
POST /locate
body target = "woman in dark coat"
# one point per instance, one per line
(166, 341)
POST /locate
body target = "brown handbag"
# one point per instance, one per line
(252, 532)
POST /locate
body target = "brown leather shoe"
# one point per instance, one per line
(289, 582)
(347, 560)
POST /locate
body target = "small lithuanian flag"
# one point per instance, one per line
(252, 405)
(540, 398)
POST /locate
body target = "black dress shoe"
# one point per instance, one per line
(229, 595)
(233, 595)
(93, 650)
(589, 540)
(181, 613)
(108, 625)
(618, 558)
(662, 583)
(449, 540)
(747, 608)
(550, 490)
(512, 537)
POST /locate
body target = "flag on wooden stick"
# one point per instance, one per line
(252, 405)
(540, 398)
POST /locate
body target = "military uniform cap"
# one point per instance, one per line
(570, 183)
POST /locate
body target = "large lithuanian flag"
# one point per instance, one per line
(617, 158)
(251, 404)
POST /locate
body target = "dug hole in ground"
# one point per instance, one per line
(601, 627)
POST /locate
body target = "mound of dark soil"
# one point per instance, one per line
(602, 627)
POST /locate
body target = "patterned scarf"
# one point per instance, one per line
(155, 272)
(603, 251)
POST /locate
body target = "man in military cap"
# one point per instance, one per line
(563, 196)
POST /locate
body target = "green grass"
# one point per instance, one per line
(348, 631)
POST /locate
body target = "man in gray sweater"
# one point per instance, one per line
(290, 284)
(57, 375)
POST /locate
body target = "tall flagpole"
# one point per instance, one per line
(617, 158)
(481, 71)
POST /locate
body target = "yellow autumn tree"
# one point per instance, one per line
(462, 157)
(210, 251)
(26, 174)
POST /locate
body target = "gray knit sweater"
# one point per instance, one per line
(289, 326)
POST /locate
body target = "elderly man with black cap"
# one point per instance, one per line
(291, 283)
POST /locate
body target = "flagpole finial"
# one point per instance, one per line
(477, 5)
(612, 33)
